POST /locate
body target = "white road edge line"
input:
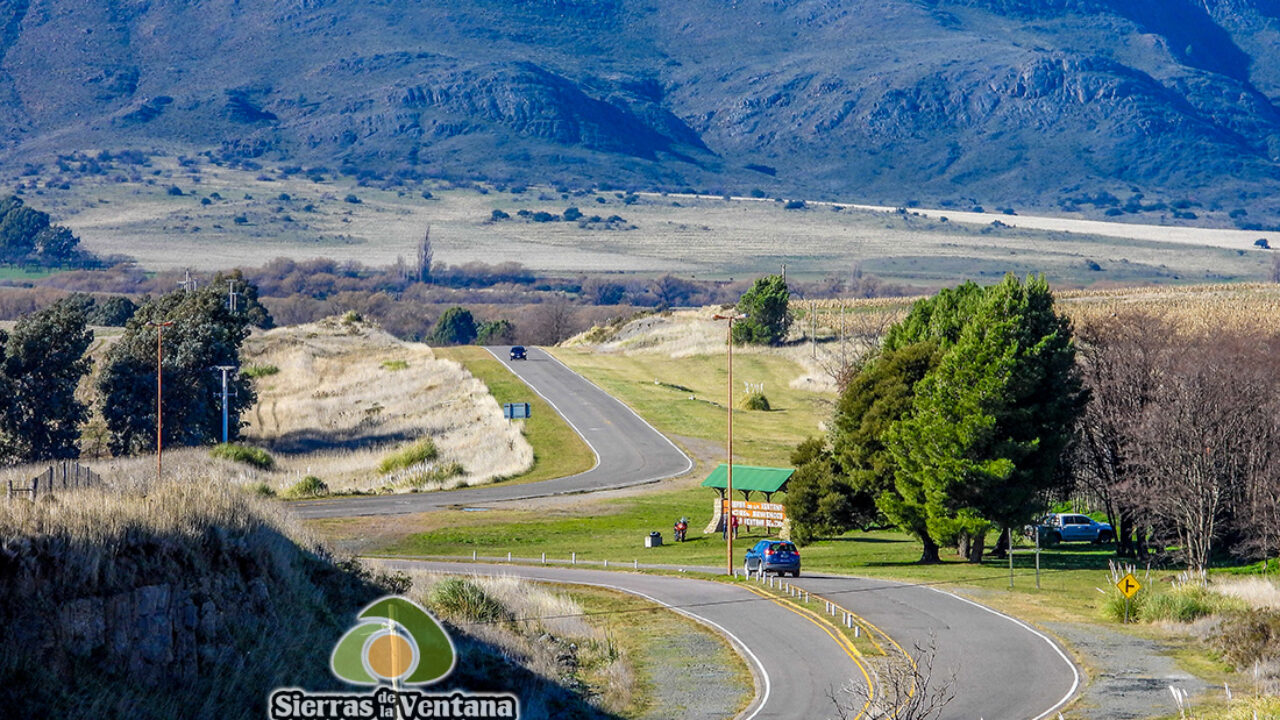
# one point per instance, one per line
(1075, 684)
(760, 700)
(687, 459)
(512, 370)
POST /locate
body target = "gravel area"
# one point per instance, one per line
(1129, 677)
(690, 682)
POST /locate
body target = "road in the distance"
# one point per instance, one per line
(629, 451)
(796, 663)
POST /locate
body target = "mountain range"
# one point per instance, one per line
(1125, 106)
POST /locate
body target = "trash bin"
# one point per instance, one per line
(654, 539)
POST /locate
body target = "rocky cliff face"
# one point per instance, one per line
(1018, 100)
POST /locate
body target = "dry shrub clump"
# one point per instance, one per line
(183, 599)
(349, 396)
(534, 641)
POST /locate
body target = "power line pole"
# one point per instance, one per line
(159, 326)
(232, 296)
(188, 284)
(225, 369)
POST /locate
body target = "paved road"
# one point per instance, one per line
(628, 450)
(795, 661)
(1003, 668)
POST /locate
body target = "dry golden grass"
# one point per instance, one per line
(1256, 592)
(341, 403)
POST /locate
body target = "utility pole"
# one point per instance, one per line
(188, 284)
(159, 326)
(232, 296)
(728, 514)
(225, 369)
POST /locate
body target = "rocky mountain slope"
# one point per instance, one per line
(1130, 105)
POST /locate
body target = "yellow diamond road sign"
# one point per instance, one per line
(1129, 585)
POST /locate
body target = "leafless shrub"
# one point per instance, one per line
(902, 688)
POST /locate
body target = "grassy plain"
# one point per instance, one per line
(558, 451)
(257, 216)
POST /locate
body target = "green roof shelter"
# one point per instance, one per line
(750, 478)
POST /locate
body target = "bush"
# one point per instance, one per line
(394, 365)
(572, 213)
(794, 205)
(351, 198)
(174, 190)
(258, 371)
(756, 401)
(256, 457)
(308, 487)
(433, 474)
(463, 599)
(1185, 604)
(1181, 604)
(422, 451)
(498, 215)
(1245, 638)
(1113, 608)
(262, 489)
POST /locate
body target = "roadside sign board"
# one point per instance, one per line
(515, 411)
(1129, 585)
(758, 514)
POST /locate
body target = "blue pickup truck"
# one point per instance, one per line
(1071, 527)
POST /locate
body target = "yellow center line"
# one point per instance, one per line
(871, 626)
(826, 626)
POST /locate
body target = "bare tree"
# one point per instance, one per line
(858, 337)
(902, 688)
(552, 321)
(1208, 436)
(1120, 359)
(425, 257)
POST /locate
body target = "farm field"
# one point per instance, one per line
(224, 218)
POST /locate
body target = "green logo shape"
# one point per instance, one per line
(395, 640)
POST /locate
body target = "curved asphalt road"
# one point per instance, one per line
(628, 450)
(795, 661)
(1005, 669)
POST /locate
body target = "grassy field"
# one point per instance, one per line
(614, 531)
(257, 216)
(686, 396)
(558, 451)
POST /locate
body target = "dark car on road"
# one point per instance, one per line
(517, 353)
(775, 556)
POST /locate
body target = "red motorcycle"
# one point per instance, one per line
(681, 527)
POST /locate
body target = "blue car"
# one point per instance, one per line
(775, 556)
(517, 353)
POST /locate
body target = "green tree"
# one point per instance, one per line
(205, 334)
(455, 327)
(819, 499)
(495, 332)
(768, 317)
(877, 397)
(988, 425)
(44, 361)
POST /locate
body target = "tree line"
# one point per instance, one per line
(984, 407)
(45, 360)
